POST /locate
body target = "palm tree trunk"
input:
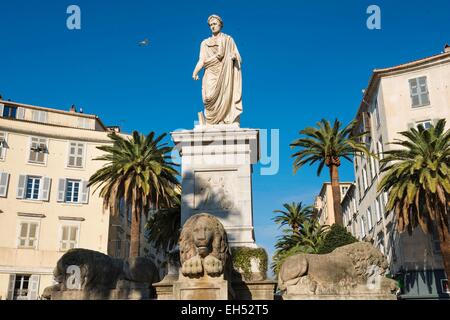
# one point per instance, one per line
(444, 243)
(135, 233)
(336, 191)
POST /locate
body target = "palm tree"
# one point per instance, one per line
(139, 171)
(327, 145)
(163, 227)
(294, 216)
(417, 178)
(308, 240)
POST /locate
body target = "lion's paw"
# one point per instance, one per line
(213, 266)
(192, 267)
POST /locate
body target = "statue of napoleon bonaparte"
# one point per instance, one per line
(222, 79)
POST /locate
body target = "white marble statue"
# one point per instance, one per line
(222, 79)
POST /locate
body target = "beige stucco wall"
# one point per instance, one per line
(396, 114)
(95, 225)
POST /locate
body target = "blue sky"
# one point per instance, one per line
(302, 61)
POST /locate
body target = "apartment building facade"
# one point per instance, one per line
(323, 204)
(397, 99)
(46, 159)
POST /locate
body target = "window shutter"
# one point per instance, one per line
(21, 187)
(35, 115)
(2, 106)
(45, 190)
(61, 190)
(84, 192)
(4, 178)
(20, 113)
(33, 287)
(12, 283)
(44, 116)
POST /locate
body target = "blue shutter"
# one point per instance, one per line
(2, 107)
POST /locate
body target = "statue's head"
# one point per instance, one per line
(203, 234)
(215, 23)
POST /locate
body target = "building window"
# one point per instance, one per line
(364, 176)
(39, 116)
(85, 123)
(118, 249)
(129, 215)
(33, 188)
(33, 185)
(38, 150)
(381, 243)
(354, 205)
(69, 237)
(9, 112)
(359, 189)
(28, 235)
(378, 208)
(4, 179)
(3, 145)
(72, 190)
(425, 124)
(362, 228)
(122, 208)
(369, 219)
(373, 169)
(419, 92)
(377, 113)
(354, 227)
(76, 154)
(23, 287)
(380, 149)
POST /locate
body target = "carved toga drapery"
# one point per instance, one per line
(222, 80)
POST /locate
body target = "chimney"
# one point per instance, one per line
(115, 129)
(447, 48)
(73, 108)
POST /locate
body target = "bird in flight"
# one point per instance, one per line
(144, 42)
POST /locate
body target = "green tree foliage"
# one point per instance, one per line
(302, 233)
(337, 237)
(326, 145)
(417, 178)
(139, 170)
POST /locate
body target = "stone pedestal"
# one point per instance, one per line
(254, 290)
(204, 288)
(106, 294)
(216, 170)
(340, 297)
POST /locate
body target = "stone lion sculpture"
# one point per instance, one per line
(357, 269)
(204, 247)
(83, 269)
